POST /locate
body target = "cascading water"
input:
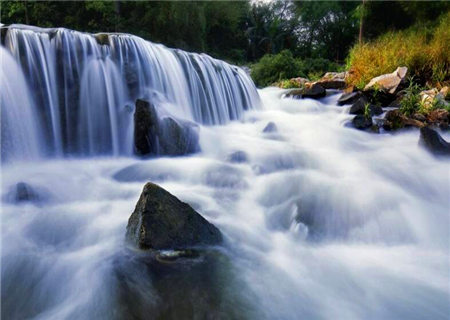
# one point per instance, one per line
(19, 131)
(84, 86)
(321, 221)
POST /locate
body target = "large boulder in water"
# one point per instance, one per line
(165, 136)
(433, 142)
(161, 221)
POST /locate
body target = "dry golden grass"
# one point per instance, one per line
(426, 53)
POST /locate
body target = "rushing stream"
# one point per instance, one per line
(321, 221)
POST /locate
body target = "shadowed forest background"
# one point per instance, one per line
(238, 31)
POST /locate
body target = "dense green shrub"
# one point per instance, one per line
(272, 68)
(314, 68)
(283, 66)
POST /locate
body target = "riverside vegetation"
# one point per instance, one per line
(418, 97)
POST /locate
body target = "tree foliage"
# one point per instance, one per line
(238, 31)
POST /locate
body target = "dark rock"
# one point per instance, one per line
(167, 136)
(161, 221)
(433, 142)
(238, 157)
(333, 84)
(145, 123)
(180, 285)
(394, 120)
(359, 106)
(316, 91)
(177, 137)
(439, 117)
(25, 192)
(396, 103)
(375, 128)
(361, 122)
(270, 127)
(3, 31)
(375, 110)
(419, 117)
(444, 126)
(380, 97)
(348, 98)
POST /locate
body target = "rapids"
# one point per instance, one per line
(321, 222)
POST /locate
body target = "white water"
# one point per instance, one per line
(19, 133)
(377, 245)
(83, 87)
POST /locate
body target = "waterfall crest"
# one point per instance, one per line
(83, 86)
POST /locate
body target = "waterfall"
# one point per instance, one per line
(82, 87)
(19, 132)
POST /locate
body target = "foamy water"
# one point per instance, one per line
(321, 222)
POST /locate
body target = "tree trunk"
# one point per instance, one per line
(361, 21)
(117, 11)
(27, 19)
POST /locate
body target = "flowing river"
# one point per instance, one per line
(321, 221)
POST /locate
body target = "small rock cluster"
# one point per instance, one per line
(317, 89)
(378, 105)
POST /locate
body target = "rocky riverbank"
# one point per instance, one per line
(389, 102)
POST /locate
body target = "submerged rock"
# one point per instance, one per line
(270, 127)
(161, 221)
(433, 142)
(24, 192)
(238, 157)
